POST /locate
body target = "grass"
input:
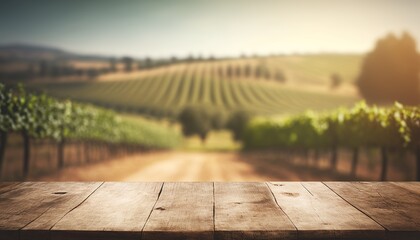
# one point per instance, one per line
(220, 140)
(216, 141)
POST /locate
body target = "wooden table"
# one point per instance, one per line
(207, 210)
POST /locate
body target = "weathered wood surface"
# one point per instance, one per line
(184, 210)
(121, 208)
(316, 211)
(38, 206)
(276, 210)
(249, 211)
(392, 206)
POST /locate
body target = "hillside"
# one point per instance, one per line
(165, 91)
(29, 52)
(308, 69)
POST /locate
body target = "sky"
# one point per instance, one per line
(162, 28)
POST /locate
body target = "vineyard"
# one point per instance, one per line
(36, 117)
(388, 129)
(226, 87)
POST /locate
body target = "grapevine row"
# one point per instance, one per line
(42, 117)
(168, 92)
(363, 126)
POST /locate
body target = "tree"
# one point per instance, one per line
(173, 59)
(195, 120)
(128, 63)
(247, 71)
(335, 80)
(280, 76)
(190, 58)
(139, 66)
(238, 71)
(221, 72)
(391, 71)
(148, 62)
(238, 122)
(43, 68)
(92, 73)
(218, 119)
(112, 65)
(258, 72)
(267, 74)
(229, 71)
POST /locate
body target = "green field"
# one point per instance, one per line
(166, 91)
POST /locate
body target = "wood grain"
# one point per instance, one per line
(319, 213)
(113, 211)
(7, 186)
(277, 210)
(413, 187)
(38, 206)
(249, 211)
(391, 206)
(183, 211)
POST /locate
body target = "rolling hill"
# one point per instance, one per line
(164, 92)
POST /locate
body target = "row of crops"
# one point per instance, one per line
(166, 93)
(389, 129)
(42, 117)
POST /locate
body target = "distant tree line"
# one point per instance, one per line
(251, 71)
(59, 68)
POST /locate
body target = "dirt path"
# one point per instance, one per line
(188, 166)
(167, 166)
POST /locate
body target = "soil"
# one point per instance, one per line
(199, 166)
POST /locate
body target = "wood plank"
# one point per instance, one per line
(249, 211)
(8, 186)
(395, 208)
(38, 204)
(114, 211)
(319, 213)
(413, 187)
(72, 194)
(183, 211)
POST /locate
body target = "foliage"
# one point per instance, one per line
(391, 71)
(394, 127)
(41, 116)
(237, 123)
(196, 121)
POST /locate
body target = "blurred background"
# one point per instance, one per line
(232, 90)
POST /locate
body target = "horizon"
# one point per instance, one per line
(241, 55)
(182, 28)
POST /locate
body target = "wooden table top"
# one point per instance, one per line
(207, 210)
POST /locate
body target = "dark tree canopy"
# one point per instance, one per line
(238, 122)
(113, 65)
(229, 71)
(196, 120)
(247, 71)
(128, 63)
(391, 71)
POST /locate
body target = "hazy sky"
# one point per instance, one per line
(218, 27)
